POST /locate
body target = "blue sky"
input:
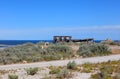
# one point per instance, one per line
(42, 19)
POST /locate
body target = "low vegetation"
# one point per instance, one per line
(54, 70)
(88, 50)
(64, 74)
(104, 70)
(31, 71)
(30, 52)
(108, 70)
(12, 76)
(34, 52)
(87, 68)
(72, 65)
(59, 73)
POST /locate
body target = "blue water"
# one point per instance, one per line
(9, 43)
(16, 42)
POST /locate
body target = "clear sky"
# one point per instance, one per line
(42, 19)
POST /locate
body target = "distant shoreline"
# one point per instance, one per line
(17, 42)
(9, 43)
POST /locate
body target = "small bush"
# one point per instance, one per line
(106, 72)
(64, 73)
(88, 50)
(86, 64)
(54, 70)
(13, 76)
(32, 71)
(59, 49)
(95, 76)
(87, 67)
(107, 69)
(71, 65)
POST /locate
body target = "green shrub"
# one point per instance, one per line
(107, 70)
(64, 73)
(59, 49)
(87, 67)
(12, 76)
(95, 76)
(54, 70)
(32, 71)
(86, 64)
(33, 53)
(72, 65)
(88, 50)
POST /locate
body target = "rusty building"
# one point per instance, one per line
(69, 39)
(62, 38)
